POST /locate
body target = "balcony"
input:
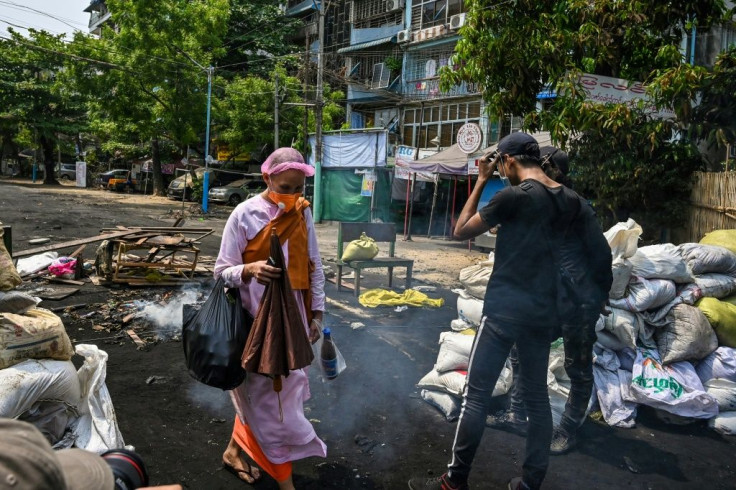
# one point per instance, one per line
(97, 18)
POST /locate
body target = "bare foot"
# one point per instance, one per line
(234, 463)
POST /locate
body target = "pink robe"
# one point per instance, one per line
(255, 401)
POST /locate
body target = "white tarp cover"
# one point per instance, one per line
(351, 150)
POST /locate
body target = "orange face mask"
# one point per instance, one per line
(285, 202)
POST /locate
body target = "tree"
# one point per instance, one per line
(150, 82)
(625, 156)
(32, 98)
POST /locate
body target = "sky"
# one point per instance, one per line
(55, 16)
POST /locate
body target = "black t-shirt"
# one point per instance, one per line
(522, 287)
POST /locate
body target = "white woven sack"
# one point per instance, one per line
(469, 309)
(660, 262)
(646, 294)
(714, 285)
(720, 364)
(702, 259)
(621, 269)
(724, 391)
(475, 278)
(454, 351)
(623, 238)
(687, 336)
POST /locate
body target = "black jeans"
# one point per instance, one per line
(578, 340)
(487, 357)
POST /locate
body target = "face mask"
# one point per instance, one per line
(285, 202)
(504, 179)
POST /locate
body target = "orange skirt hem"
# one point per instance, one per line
(244, 437)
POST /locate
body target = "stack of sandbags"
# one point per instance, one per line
(474, 280)
(718, 374)
(443, 386)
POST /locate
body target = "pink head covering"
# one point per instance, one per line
(286, 159)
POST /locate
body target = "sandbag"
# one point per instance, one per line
(454, 351)
(646, 294)
(724, 391)
(724, 423)
(27, 382)
(475, 278)
(721, 238)
(448, 405)
(364, 248)
(702, 259)
(722, 317)
(660, 262)
(687, 336)
(714, 285)
(623, 238)
(610, 381)
(622, 324)
(469, 309)
(17, 302)
(621, 269)
(97, 428)
(37, 334)
(721, 363)
(674, 388)
(460, 325)
(9, 277)
(453, 382)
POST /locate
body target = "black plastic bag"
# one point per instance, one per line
(214, 338)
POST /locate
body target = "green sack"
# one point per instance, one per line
(722, 317)
(721, 238)
(364, 248)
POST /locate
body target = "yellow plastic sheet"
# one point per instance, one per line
(383, 297)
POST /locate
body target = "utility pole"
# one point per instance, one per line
(318, 117)
(207, 158)
(306, 79)
(276, 112)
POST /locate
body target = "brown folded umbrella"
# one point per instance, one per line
(278, 341)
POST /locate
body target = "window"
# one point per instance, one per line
(430, 13)
(438, 120)
(374, 13)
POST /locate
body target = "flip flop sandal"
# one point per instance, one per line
(231, 469)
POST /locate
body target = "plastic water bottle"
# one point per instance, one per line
(328, 356)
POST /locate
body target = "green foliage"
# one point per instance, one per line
(625, 158)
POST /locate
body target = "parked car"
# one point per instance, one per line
(236, 192)
(182, 185)
(116, 180)
(68, 171)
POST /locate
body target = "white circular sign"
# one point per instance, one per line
(469, 138)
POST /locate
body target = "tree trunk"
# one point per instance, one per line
(158, 178)
(47, 148)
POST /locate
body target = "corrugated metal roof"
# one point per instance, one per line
(367, 44)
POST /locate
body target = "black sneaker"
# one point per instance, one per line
(562, 442)
(438, 483)
(507, 421)
(517, 483)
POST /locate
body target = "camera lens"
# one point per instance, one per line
(127, 469)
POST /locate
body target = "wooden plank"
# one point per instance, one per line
(65, 281)
(165, 240)
(70, 244)
(78, 251)
(131, 333)
(172, 229)
(57, 293)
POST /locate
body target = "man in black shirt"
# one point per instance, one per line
(523, 303)
(577, 328)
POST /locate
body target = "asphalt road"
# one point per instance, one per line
(377, 429)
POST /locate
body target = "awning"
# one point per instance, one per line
(301, 8)
(368, 44)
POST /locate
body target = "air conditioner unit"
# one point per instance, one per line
(403, 36)
(393, 5)
(457, 21)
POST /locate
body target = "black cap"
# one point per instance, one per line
(556, 156)
(519, 144)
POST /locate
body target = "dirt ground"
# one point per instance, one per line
(377, 429)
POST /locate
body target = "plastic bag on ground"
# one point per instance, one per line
(660, 262)
(724, 391)
(646, 294)
(469, 309)
(35, 263)
(448, 405)
(454, 351)
(687, 336)
(715, 285)
(621, 269)
(702, 259)
(37, 334)
(722, 317)
(720, 364)
(721, 238)
(97, 428)
(17, 302)
(674, 388)
(63, 267)
(475, 278)
(624, 238)
(724, 423)
(9, 277)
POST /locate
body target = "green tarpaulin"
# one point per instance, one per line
(341, 199)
